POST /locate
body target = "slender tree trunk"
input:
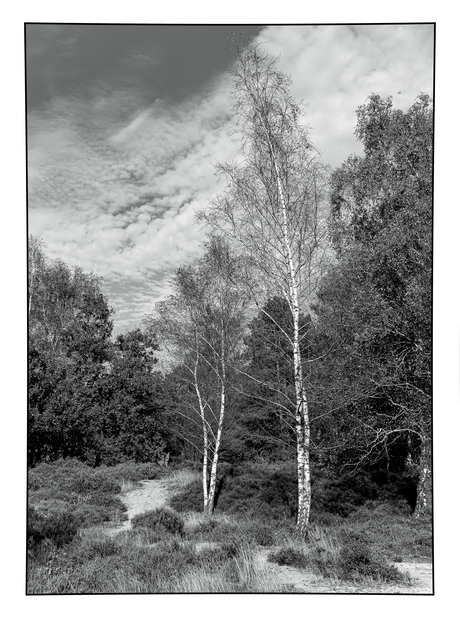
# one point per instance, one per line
(260, 84)
(303, 439)
(302, 414)
(424, 482)
(213, 478)
(205, 436)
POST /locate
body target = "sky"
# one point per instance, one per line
(125, 125)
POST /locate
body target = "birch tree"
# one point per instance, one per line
(271, 209)
(201, 325)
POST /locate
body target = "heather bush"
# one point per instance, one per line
(389, 530)
(189, 498)
(289, 556)
(161, 520)
(356, 562)
(259, 533)
(133, 471)
(59, 528)
(89, 549)
(247, 490)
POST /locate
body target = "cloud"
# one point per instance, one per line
(114, 182)
(119, 199)
(132, 128)
(335, 68)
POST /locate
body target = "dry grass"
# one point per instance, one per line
(197, 581)
(128, 486)
(197, 518)
(242, 574)
(182, 478)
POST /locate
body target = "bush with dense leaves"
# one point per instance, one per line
(289, 556)
(356, 562)
(190, 498)
(161, 520)
(90, 549)
(263, 535)
(341, 495)
(248, 489)
(59, 528)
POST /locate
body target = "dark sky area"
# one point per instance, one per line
(155, 61)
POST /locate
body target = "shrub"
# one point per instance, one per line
(233, 547)
(341, 496)
(190, 498)
(160, 520)
(89, 514)
(323, 561)
(261, 534)
(59, 528)
(389, 530)
(289, 556)
(90, 549)
(356, 562)
(248, 490)
(135, 472)
(210, 529)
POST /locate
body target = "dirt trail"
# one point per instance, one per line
(153, 494)
(303, 581)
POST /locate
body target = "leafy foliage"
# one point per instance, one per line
(161, 520)
(59, 528)
(289, 556)
(356, 562)
(267, 393)
(89, 397)
(374, 307)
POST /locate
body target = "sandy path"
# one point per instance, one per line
(151, 494)
(304, 581)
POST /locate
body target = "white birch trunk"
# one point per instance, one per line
(302, 415)
(205, 436)
(213, 477)
(423, 491)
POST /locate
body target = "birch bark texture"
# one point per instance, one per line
(201, 325)
(271, 210)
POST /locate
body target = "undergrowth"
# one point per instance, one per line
(162, 522)
(66, 495)
(98, 565)
(70, 553)
(347, 559)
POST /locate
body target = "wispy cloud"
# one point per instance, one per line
(119, 199)
(114, 181)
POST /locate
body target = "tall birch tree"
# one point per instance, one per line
(201, 325)
(271, 209)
